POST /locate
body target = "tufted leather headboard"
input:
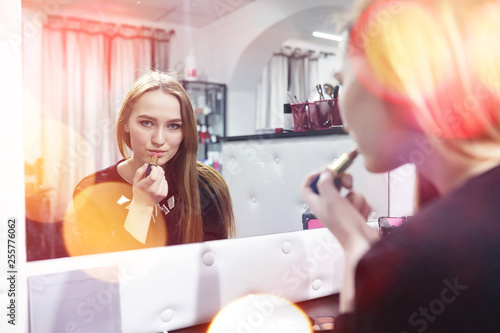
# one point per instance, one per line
(264, 178)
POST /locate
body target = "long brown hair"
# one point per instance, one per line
(217, 188)
(183, 167)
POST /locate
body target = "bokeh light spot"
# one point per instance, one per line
(484, 45)
(261, 313)
(419, 56)
(50, 176)
(96, 225)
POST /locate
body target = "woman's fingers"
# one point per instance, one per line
(360, 203)
(323, 179)
(326, 184)
(306, 184)
(154, 185)
(346, 180)
(158, 184)
(328, 204)
(156, 173)
(326, 189)
(139, 174)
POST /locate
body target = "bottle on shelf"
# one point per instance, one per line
(190, 66)
(204, 134)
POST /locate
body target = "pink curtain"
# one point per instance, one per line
(87, 68)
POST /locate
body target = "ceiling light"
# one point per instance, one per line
(327, 36)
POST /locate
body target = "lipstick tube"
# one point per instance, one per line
(337, 168)
(152, 163)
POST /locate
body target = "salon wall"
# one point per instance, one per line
(245, 44)
(232, 50)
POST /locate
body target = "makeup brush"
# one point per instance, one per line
(152, 163)
(336, 92)
(328, 89)
(337, 168)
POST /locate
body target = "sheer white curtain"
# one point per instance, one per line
(296, 72)
(303, 74)
(272, 93)
(87, 67)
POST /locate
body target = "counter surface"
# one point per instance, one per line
(289, 134)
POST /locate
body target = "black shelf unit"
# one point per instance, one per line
(209, 104)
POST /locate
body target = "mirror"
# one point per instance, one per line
(232, 42)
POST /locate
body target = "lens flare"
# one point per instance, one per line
(433, 57)
(484, 45)
(417, 45)
(96, 225)
(261, 313)
(50, 182)
(483, 49)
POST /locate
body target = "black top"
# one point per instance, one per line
(101, 203)
(439, 272)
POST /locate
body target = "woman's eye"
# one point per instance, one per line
(146, 123)
(174, 126)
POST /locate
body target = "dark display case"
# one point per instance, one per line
(209, 104)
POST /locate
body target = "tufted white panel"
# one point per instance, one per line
(167, 288)
(402, 190)
(265, 176)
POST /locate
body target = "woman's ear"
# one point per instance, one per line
(126, 129)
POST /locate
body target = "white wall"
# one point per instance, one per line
(32, 81)
(246, 44)
(232, 50)
(12, 230)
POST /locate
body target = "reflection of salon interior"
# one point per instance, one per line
(266, 106)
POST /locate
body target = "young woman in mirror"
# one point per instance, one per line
(180, 201)
(421, 84)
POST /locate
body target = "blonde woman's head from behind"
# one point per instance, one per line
(435, 63)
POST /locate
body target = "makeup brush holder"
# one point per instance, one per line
(388, 224)
(300, 112)
(325, 114)
(318, 115)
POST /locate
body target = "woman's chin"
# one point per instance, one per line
(378, 166)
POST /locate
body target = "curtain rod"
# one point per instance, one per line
(56, 22)
(306, 52)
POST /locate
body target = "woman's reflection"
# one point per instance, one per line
(180, 201)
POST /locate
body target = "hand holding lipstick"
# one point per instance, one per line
(345, 216)
(152, 163)
(149, 188)
(149, 182)
(337, 168)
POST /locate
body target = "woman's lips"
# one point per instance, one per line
(157, 153)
